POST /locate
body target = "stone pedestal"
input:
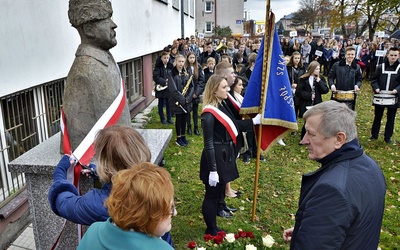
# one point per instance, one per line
(39, 163)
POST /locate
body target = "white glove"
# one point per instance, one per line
(213, 178)
(257, 119)
(333, 88)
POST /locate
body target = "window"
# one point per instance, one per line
(131, 72)
(191, 8)
(186, 7)
(175, 4)
(209, 7)
(208, 27)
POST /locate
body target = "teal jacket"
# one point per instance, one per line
(104, 235)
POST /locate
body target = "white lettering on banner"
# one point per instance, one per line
(286, 96)
(280, 70)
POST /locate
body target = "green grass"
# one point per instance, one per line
(279, 183)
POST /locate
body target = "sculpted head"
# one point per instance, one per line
(92, 19)
(85, 11)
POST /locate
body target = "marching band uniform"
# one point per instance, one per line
(385, 74)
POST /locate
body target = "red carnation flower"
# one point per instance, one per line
(250, 235)
(222, 234)
(192, 245)
(218, 239)
(242, 234)
(237, 236)
(208, 237)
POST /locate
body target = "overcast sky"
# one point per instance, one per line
(279, 7)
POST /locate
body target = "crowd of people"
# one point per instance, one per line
(315, 67)
(340, 205)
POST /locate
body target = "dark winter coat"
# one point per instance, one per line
(198, 83)
(204, 56)
(160, 76)
(346, 76)
(341, 204)
(176, 84)
(304, 92)
(294, 76)
(207, 75)
(219, 150)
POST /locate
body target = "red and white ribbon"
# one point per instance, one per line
(85, 150)
(224, 119)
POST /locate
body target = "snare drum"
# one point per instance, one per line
(384, 99)
(341, 95)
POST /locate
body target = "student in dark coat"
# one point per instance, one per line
(310, 89)
(194, 69)
(161, 72)
(179, 102)
(295, 69)
(218, 159)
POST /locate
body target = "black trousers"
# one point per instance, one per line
(391, 116)
(210, 206)
(163, 102)
(180, 124)
(195, 113)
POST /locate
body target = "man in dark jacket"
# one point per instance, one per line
(348, 78)
(341, 204)
(208, 52)
(386, 80)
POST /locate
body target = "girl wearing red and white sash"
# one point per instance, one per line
(218, 159)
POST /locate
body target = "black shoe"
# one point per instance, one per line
(189, 131)
(262, 158)
(196, 131)
(374, 138)
(224, 214)
(238, 192)
(179, 142)
(230, 209)
(170, 121)
(183, 139)
(163, 122)
(246, 159)
(388, 141)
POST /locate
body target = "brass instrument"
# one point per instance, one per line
(185, 89)
(161, 88)
(221, 47)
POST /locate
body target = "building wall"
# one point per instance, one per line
(225, 13)
(38, 43)
(230, 13)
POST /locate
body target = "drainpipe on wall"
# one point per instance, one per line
(182, 19)
(215, 13)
